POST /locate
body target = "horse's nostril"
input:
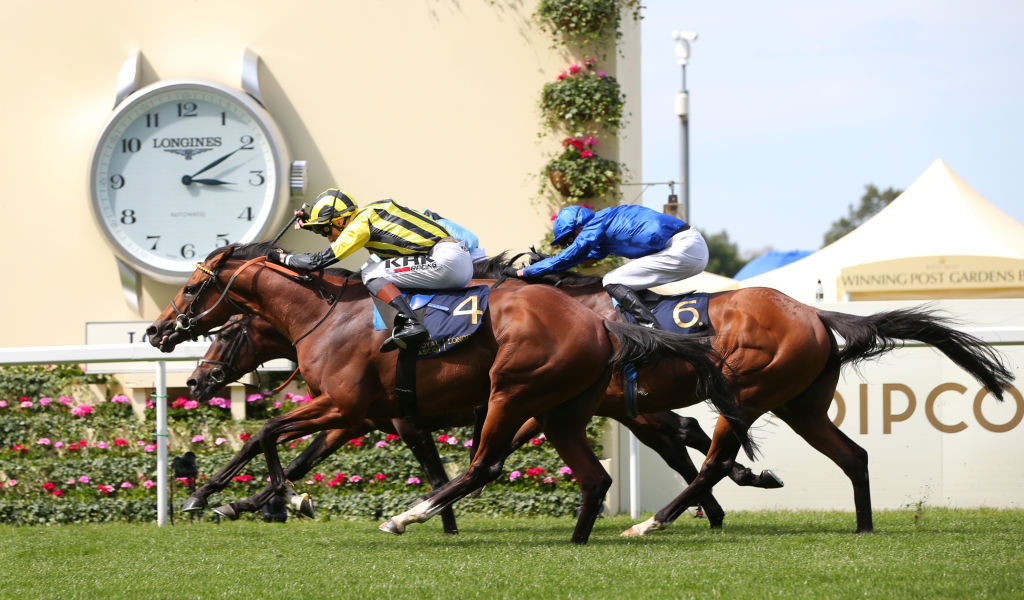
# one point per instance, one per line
(151, 330)
(192, 383)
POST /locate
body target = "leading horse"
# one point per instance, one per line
(784, 358)
(536, 354)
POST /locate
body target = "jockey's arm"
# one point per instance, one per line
(351, 239)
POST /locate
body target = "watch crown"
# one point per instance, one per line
(297, 179)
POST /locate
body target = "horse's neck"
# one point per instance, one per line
(295, 310)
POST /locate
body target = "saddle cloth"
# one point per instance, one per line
(686, 313)
(450, 316)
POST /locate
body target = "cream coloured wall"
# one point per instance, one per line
(432, 103)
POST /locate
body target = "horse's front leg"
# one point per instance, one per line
(218, 481)
(325, 444)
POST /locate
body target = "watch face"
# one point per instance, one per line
(182, 168)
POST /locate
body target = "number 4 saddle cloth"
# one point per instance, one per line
(450, 316)
(686, 313)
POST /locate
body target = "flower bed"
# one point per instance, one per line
(64, 461)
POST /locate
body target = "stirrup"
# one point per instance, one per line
(411, 338)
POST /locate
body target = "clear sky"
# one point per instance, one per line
(795, 106)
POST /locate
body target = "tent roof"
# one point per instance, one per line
(939, 214)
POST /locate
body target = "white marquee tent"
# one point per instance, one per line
(938, 216)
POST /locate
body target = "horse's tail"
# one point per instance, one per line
(640, 346)
(870, 336)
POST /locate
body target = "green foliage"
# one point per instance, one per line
(724, 255)
(583, 99)
(38, 381)
(578, 173)
(871, 202)
(63, 466)
(584, 22)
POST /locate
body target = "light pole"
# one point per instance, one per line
(683, 39)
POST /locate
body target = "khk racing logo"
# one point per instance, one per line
(417, 262)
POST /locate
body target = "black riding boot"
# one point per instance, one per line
(409, 331)
(629, 302)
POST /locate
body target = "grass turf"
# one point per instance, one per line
(933, 553)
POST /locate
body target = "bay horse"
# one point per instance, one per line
(247, 341)
(536, 353)
(784, 358)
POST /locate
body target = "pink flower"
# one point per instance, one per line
(412, 481)
(277, 404)
(81, 410)
(149, 447)
(3, 404)
(120, 399)
(590, 141)
(64, 400)
(191, 404)
(106, 489)
(549, 480)
(196, 439)
(564, 471)
(125, 484)
(12, 483)
(148, 483)
(452, 441)
(44, 401)
(26, 404)
(83, 479)
(219, 441)
(219, 402)
(599, 73)
(468, 443)
(43, 441)
(58, 444)
(574, 69)
(381, 443)
(514, 475)
(253, 397)
(69, 482)
(101, 445)
(355, 479)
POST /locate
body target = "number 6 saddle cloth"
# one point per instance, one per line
(450, 316)
(686, 313)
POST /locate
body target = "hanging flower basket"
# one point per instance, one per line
(579, 173)
(583, 99)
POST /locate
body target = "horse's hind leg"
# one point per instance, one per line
(666, 434)
(218, 481)
(421, 443)
(807, 415)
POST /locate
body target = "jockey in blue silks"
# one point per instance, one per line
(664, 249)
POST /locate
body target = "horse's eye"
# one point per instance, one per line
(188, 290)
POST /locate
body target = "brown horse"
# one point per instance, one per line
(783, 357)
(536, 354)
(247, 341)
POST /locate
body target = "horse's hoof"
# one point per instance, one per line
(768, 473)
(631, 532)
(390, 526)
(304, 504)
(193, 504)
(227, 512)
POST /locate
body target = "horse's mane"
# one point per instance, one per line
(491, 268)
(254, 249)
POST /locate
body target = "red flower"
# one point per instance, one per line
(318, 477)
(356, 442)
(380, 477)
(586, 154)
(244, 436)
(443, 438)
(244, 478)
(57, 493)
(534, 471)
(534, 442)
(574, 69)
(390, 436)
(120, 442)
(49, 485)
(560, 77)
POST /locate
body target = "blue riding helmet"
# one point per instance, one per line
(568, 219)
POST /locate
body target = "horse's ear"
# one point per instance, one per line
(219, 259)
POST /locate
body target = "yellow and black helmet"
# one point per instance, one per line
(330, 207)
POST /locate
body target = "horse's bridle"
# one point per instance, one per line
(186, 320)
(226, 366)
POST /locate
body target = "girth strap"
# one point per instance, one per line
(405, 382)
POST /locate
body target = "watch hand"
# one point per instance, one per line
(187, 180)
(216, 162)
